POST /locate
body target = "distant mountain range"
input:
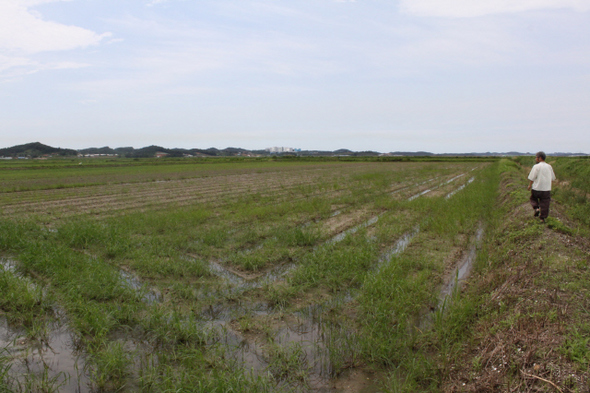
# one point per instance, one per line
(37, 149)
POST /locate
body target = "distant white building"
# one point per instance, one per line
(281, 150)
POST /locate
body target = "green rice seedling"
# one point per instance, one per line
(43, 382)
(4, 371)
(24, 302)
(288, 362)
(337, 266)
(279, 295)
(298, 237)
(110, 367)
(175, 328)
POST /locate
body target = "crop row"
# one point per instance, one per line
(289, 283)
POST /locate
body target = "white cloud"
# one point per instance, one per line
(154, 2)
(24, 31)
(474, 8)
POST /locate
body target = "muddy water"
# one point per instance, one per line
(453, 284)
(240, 284)
(149, 296)
(324, 348)
(304, 331)
(342, 235)
(450, 194)
(462, 271)
(247, 353)
(7, 265)
(399, 247)
(425, 191)
(54, 359)
(420, 194)
(434, 188)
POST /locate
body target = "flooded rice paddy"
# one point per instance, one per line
(264, 275)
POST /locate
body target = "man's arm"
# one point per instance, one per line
(530, 185)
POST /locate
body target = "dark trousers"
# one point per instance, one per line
(541, 200)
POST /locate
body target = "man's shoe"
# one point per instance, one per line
(537, 212)
(542, 221)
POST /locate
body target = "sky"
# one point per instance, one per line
(444, 76)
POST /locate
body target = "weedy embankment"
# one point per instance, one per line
(523, 322)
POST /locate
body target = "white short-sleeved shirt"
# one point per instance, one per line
(541, 175)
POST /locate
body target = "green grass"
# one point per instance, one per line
(76, 263)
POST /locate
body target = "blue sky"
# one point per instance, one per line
(433, 75)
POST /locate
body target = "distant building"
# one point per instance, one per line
(98, 155)
(161, 154)
(282, 150)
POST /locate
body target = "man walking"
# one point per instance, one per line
(540, 178)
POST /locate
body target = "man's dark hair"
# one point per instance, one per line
(542, 155)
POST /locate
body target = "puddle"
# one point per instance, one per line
(342, 235)
(54, 361)
(454, 178)
(450, 194)
(450, 289)
(428, 181)
(462, 271)
(436, 187)
(419, 194)
(306, 336)
(399, 247)
(399, 190)
(239, 283)
(336, 213)
(249, 354)
(149, 295)
(8, 266)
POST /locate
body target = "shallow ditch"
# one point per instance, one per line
(342, 235)
(399, 247)
(434, 188)
(462, 271)
(454, 282)
(450, 194)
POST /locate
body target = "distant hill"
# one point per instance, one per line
(37, 149)
(34, 150)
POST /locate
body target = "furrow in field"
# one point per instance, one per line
(115, 188)
(169, 196)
